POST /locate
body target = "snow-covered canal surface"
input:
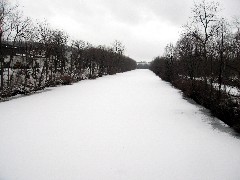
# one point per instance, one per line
(130, 126)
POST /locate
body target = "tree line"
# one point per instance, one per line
(33, 55)
(142, 65)
(205, 62)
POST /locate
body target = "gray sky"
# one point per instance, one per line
(143, 26)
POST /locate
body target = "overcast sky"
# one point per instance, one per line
(143, 26)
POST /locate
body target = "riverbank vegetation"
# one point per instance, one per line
(33, 55)
(205, 62)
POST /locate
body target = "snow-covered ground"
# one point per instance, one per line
(231, 90)
(130, 126)
(234, 91)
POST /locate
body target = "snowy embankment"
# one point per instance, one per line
(127, 126)
(231, 90)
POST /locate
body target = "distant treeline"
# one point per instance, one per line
(142, 65)
(34, 55)
(205, 62)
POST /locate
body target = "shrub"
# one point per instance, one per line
(66, 79)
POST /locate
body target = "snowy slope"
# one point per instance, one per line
(129, 126)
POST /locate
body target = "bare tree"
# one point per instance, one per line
(6, 12)
(204, 26)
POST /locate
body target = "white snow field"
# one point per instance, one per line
(130, 126)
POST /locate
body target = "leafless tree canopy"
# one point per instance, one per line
(33, 55)
(205, 62)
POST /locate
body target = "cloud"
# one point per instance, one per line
(230, 8)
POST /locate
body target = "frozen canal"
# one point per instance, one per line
(130, 126)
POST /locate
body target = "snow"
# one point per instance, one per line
(126, 126)
(231, 90)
